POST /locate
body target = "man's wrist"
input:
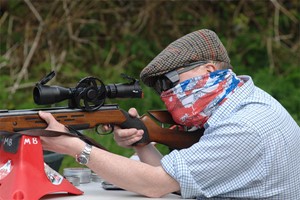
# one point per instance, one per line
(84, 156)
(138, 149)
(75, 147)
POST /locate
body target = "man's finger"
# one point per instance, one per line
(133, 112)
(46, 116)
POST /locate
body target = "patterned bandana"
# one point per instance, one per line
(193, 101)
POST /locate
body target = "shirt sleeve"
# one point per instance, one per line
(228, 157)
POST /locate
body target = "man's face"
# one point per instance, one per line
(171, 79)
(199, 71)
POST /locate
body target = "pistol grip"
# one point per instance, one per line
(133, 122)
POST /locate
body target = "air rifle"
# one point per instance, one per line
(86, 110)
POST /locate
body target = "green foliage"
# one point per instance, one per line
(106, 38)
(283, 88)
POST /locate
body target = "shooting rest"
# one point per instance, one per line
(22, 170)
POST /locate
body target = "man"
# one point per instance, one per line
(250, 148)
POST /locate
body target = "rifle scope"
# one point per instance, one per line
(89, 94)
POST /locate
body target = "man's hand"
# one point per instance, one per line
(127, 137)
(53, 124)
(62, 144)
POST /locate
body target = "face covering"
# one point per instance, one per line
(193, 101)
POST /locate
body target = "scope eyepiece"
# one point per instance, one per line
(123, 90)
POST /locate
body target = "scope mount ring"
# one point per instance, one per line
(90, 94)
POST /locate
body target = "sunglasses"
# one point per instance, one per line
(171, 79)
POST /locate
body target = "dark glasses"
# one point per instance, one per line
(170, 79)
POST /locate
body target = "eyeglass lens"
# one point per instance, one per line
(170, 79)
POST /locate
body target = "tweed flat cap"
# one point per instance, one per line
(201, 45)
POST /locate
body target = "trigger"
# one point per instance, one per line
(104, 129)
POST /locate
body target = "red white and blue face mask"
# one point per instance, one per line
(193, 101)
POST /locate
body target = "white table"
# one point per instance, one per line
(94, 190)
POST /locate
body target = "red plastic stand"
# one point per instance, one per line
(22, 173)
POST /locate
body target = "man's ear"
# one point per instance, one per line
(210, 67)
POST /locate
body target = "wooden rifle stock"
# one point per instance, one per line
(20, 120)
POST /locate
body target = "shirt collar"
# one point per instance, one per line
(227, 108)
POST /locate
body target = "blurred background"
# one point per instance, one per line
(106, 38)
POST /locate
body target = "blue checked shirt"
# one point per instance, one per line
(250, 150)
